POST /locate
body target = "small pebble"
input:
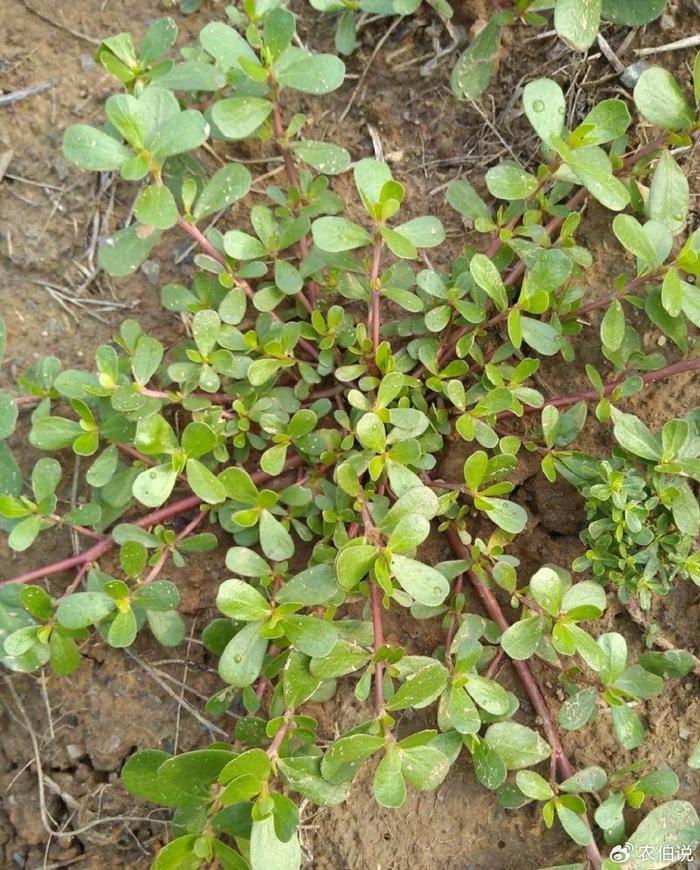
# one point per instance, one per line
(630, 76)
(151, 270)
(87, 62)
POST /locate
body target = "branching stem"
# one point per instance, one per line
(527, 678)
(153, 519)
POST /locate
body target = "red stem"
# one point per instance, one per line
(293, 179)
(378, 644)
(152, 519)
(374, 316)
(196, 235)
(527, 678)
(452, 630)
(274, 748)
(677, 368)
(163, 558)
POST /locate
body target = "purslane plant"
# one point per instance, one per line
(301, 426)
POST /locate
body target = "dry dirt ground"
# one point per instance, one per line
(54, 301)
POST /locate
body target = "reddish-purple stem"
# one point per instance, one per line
(527, 678)
(677, 368)
(198, 236)
(152, 519)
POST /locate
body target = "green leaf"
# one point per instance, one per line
(84, 608)
(632, 13)
(523, 637)
(487, 276)
(92, 149)
(507, 515)
(9, 413)
(353, 563)
(422, 582)
(184, 132)
(638, 682)
(240, 117)
(243, 246)
(315, 585)
(464, 199)
(612, 326)
(674, 824)
(634, 436)
(179, 854)
(425, 767)
(584, 600)
(228, 185)
(420, 688)
(303, 774)
(592, 167)
(547, 590)
(659, 783)
(156, 207)
(123, 629)
(577, 22)
(193, 75)
(508, 180)
(335, 234)
(267, 851)
(153, 486)
(246, 562)
(275, 540)
(188, 778)
(204, 483)
(225, 45)
(517, 745)
(660, 100)
(54, 433)
(632, 236)
(669, 194)
(462, 711)
(311, 636)
(123, 253)
(239, 600)
(533, 785)
(579, 709)
(686, 511)
(139, 776)
(344, 658)
(489, 695)
(325, 157)
(489, 768)
(473, 71)
(540, 335)
(241, 661)
(25, 533)
(627, 727)
(545, 107)
(388, 784)
(307, 72)
(423, 232)
(590, 779)
(574, 825)
(371, 432)
(607, 121)
(342, 758)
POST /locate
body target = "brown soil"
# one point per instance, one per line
(86, 726)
